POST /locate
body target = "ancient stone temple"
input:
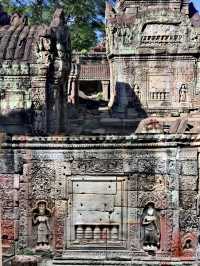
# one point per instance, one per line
(34, 66)
(152, 50)
(92, 180)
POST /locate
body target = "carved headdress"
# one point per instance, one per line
(35, 210)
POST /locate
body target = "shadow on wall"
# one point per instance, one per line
(92, 115)
(16, 122)
(128, 101)
(89, 116)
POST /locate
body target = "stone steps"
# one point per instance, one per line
(82, 262)
(116, 257)
(88, 257)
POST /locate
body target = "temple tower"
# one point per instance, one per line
(153, 50)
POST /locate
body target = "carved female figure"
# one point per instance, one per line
(41, 216)
(183, 93)
(151, 228)
(137, 91)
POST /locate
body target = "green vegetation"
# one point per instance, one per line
(84, 17)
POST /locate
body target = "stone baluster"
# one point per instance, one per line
(114, 232)
(88, 232)
(104, 233)
(79, 232)
(97, 233)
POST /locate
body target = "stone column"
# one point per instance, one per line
(174, 170)
(105, 88)
(39, 108)
(73, 84)
(60, 207)
(197, 89)
(24, 214)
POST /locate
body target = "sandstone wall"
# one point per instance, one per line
(97, 192)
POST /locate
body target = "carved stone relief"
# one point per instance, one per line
(97, 207)
(150, 229)
(41, 215)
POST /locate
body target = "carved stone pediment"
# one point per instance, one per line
(161, 34)
(153, 28)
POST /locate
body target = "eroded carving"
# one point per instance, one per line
(41, 216)
(183, 93)
(150, 228)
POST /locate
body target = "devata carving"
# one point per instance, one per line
(38, 125)
(137, 91)
(183, 93)
(150, 228)
(41, 215)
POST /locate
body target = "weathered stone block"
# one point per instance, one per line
(188, 220)
(93, 202)
(8, 229)
(16, 181)
(90, 217)
(24, 191)
(132, 216)
(132, 199)
(188, 199)
(130, 166)
(188, 183)
(152, 166)
(7, 163)
(116, 215)
(189, 168)
(173, 167)
(132, 181)
(98, 185)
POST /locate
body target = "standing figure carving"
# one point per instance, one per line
(150, 228)
(44, 46)
(183, 93)
(137, 91)
(38, 122)
(41, 215)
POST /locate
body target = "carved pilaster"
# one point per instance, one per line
(105, 88)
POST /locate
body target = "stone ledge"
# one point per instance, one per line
(109, 141)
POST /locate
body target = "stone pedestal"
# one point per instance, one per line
(105, 88)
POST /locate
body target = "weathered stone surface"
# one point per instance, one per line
(91, 185)
(85, 207)
(93, 202)
(30, 54)
(188, 220)
(188, 183)
(7, 163)
(189, 168)
(114, 196)
(188, 199)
